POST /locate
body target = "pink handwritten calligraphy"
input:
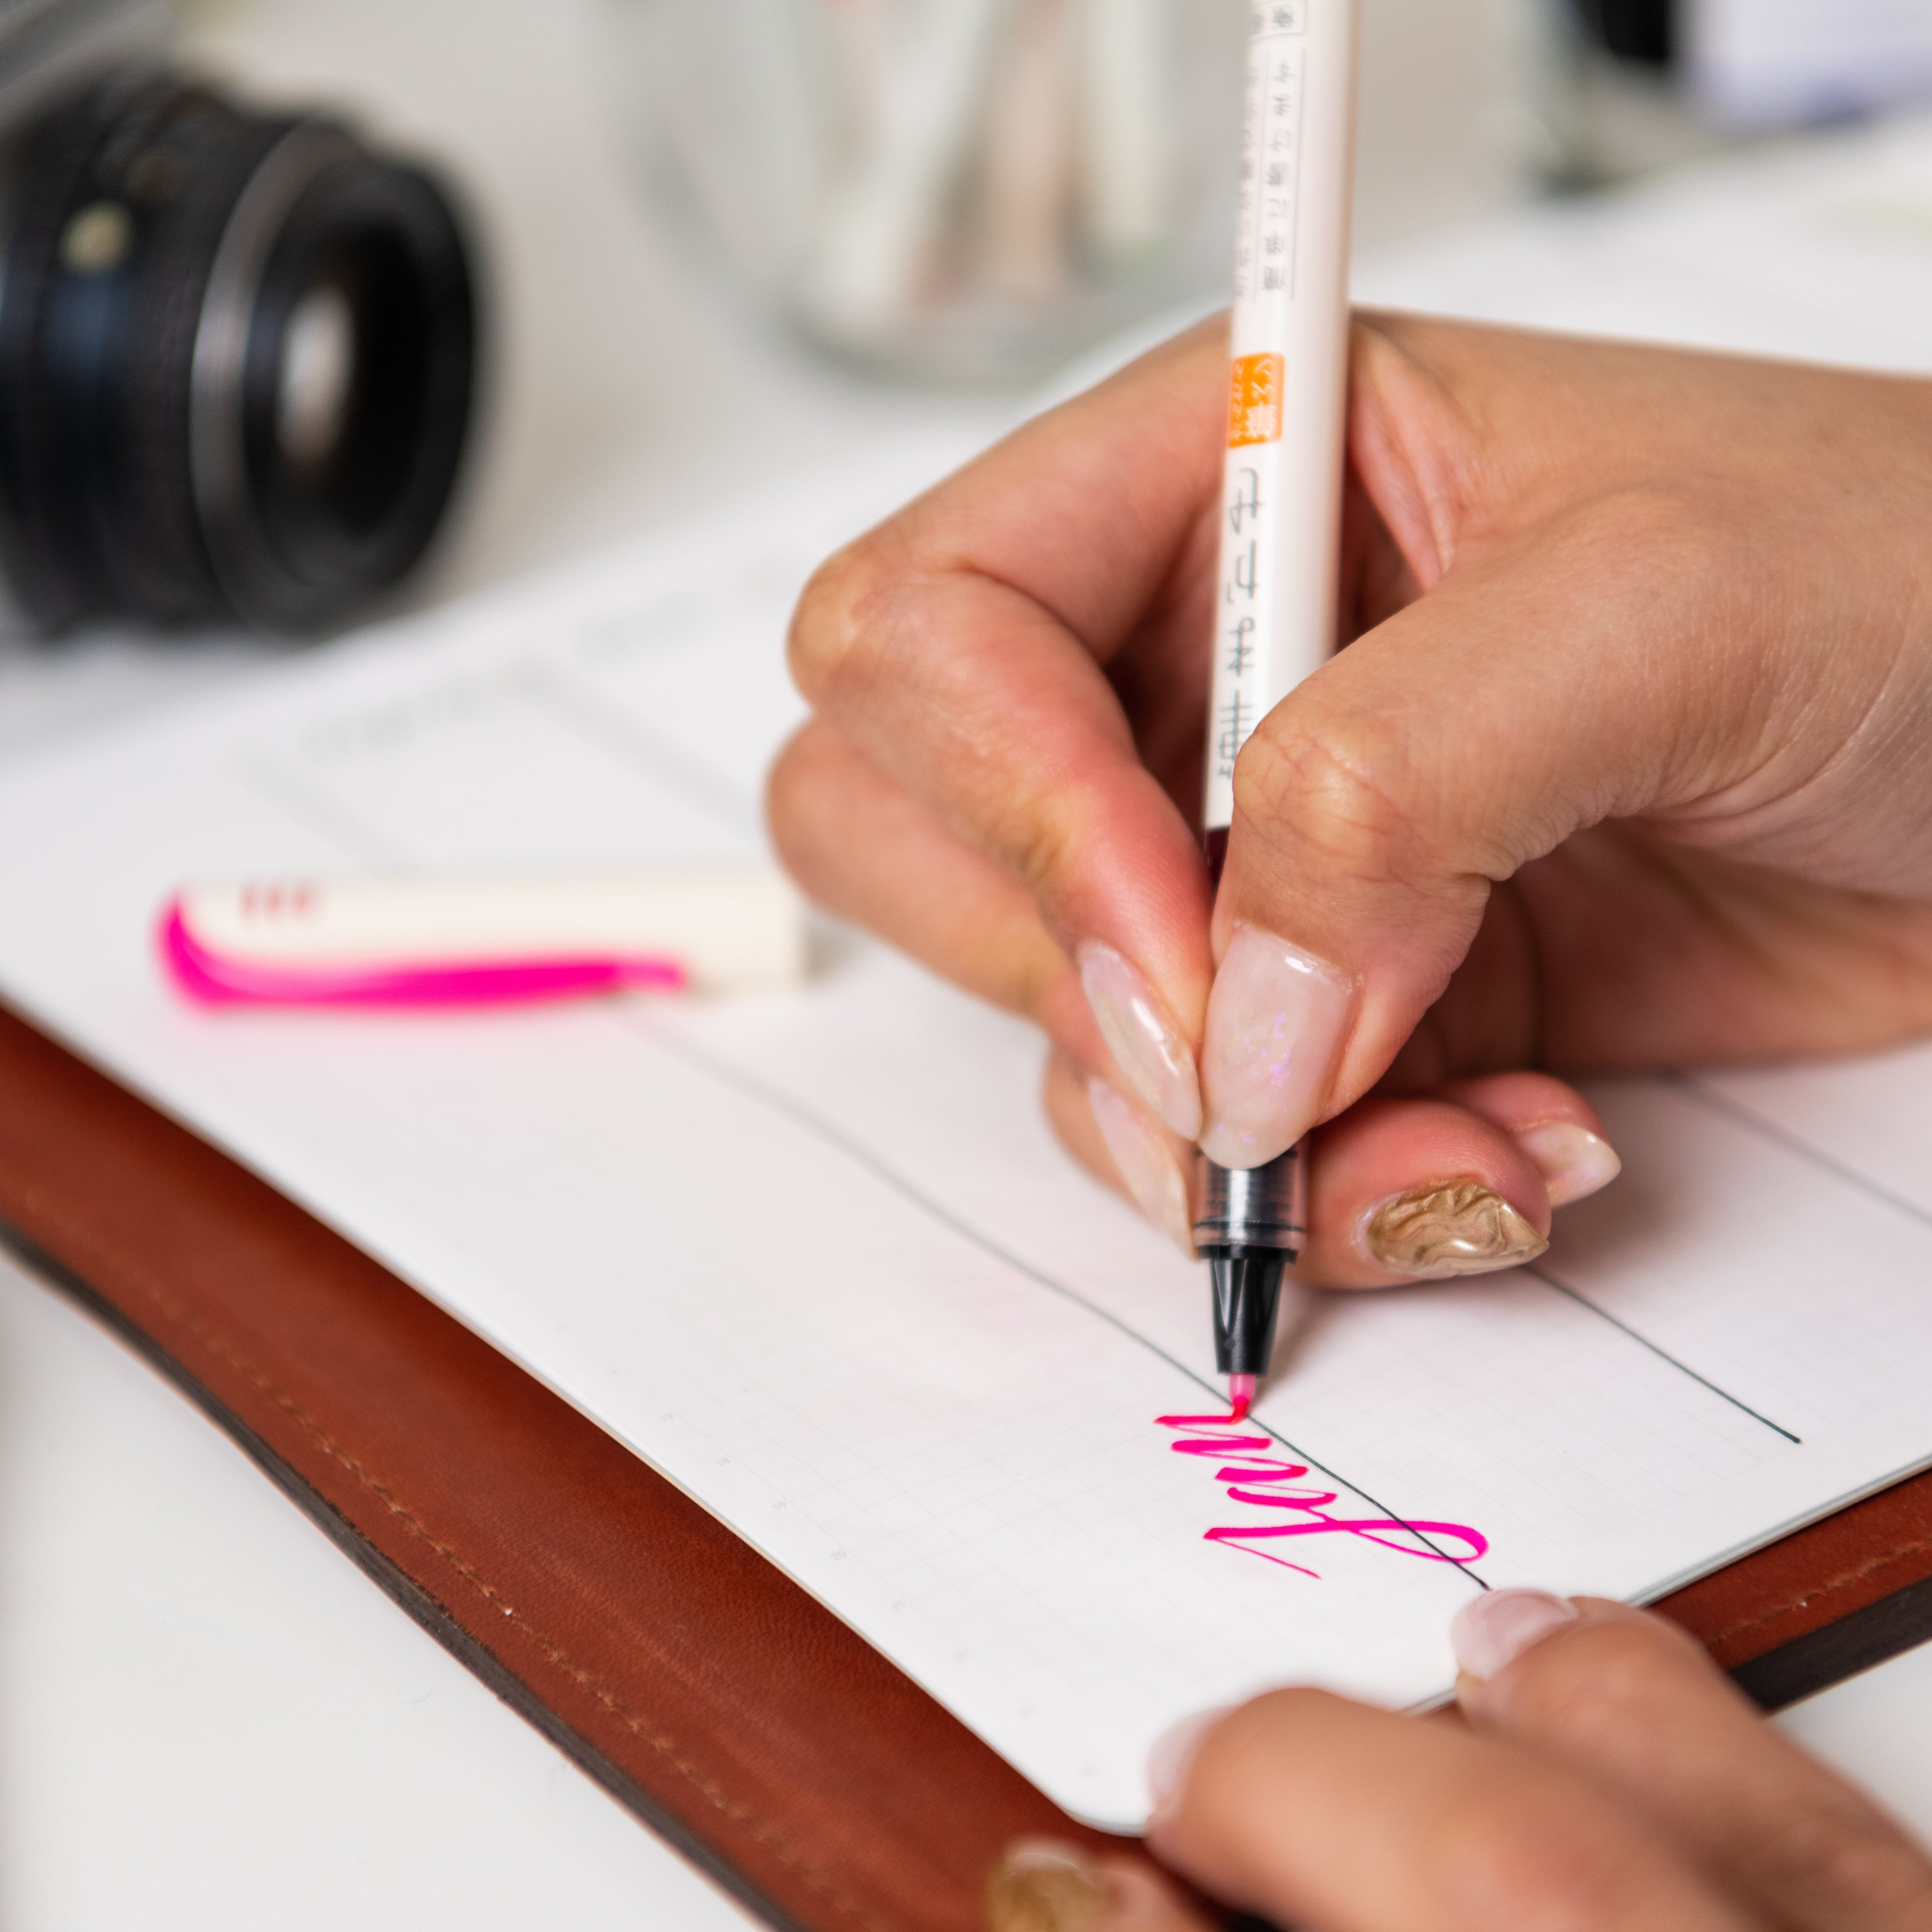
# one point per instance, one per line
(1253, 1476)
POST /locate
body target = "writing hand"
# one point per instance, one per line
(1622, 769)
(1607, 1779)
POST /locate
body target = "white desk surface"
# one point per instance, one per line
(208, 1719)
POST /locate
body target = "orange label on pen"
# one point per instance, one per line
(1254, 401)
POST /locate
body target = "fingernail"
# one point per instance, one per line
(1174, 1751)
(1450, 1227)
(1039, 1885)
(1275, 1020)
(1147, 1045)
(1498, 1627)
(1574, 1162)
(1147, 1162)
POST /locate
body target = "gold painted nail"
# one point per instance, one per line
(1450, 1227)
(1039, 1885)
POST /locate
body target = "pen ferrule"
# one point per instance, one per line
(1252, 1207)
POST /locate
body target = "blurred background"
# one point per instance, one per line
(725, 236)
(716, 240)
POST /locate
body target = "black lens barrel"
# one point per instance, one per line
(160, 242)
(1643, 31)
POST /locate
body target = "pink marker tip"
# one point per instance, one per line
(1241, 1394)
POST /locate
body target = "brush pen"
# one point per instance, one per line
(1280, 540)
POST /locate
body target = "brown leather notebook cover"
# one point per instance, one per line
(728, 1709)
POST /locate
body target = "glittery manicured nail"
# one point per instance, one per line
(1492, 1631)
(1147, 1162)
(1039, 1885)
(1147, 1045)
(1451, 1227)
(1574, 1162)
(1276, 1021)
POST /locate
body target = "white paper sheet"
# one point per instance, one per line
(817, 1258)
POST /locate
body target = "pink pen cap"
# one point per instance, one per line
(470, 939)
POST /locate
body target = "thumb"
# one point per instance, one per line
(1540, 687)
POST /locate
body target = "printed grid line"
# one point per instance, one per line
(631, 739)
(1663, 1354)
(1700, 1094)
(832, 1135)
(320, 811)
(1695, 1090)
(575, 710)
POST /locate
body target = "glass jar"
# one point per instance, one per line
(962, 191)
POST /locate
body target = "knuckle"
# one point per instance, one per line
(1596, 1683)
(1038, 845)
(835, 611)
(1665, 542)
(1339, 783)
(1039, 834)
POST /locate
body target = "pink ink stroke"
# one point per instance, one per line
(1252, 1477)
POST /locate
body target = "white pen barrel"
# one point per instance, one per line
(1288, 390)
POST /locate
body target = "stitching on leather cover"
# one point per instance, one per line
(764, 1832)
(1842, 1581)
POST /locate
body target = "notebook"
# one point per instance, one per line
(816, 1257)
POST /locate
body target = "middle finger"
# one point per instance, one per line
(865, 849)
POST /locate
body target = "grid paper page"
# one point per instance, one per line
(817, 1258)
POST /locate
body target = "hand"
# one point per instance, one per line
(1607, 1779)
(1623, 768)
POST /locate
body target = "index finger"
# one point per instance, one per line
(962, 647)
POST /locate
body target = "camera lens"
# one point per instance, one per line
(237, 356)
